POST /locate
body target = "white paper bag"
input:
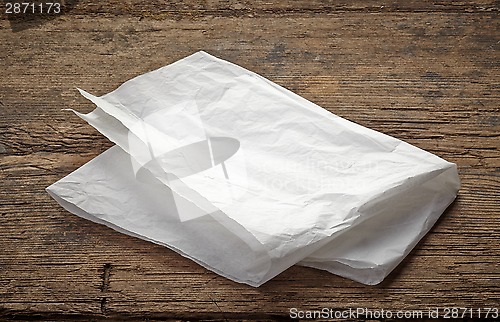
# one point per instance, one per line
(247, 178)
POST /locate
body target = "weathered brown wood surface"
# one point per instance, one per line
(426, 72)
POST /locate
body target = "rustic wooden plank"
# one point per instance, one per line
(425, 72)
(195, 8)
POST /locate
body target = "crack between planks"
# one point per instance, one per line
(105, 286)
(218, 308)
(267, 12)
(212, 299)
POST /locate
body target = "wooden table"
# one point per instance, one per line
(423, 71)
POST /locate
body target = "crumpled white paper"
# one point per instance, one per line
(247, 178)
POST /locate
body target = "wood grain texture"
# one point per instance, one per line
(426, 72)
